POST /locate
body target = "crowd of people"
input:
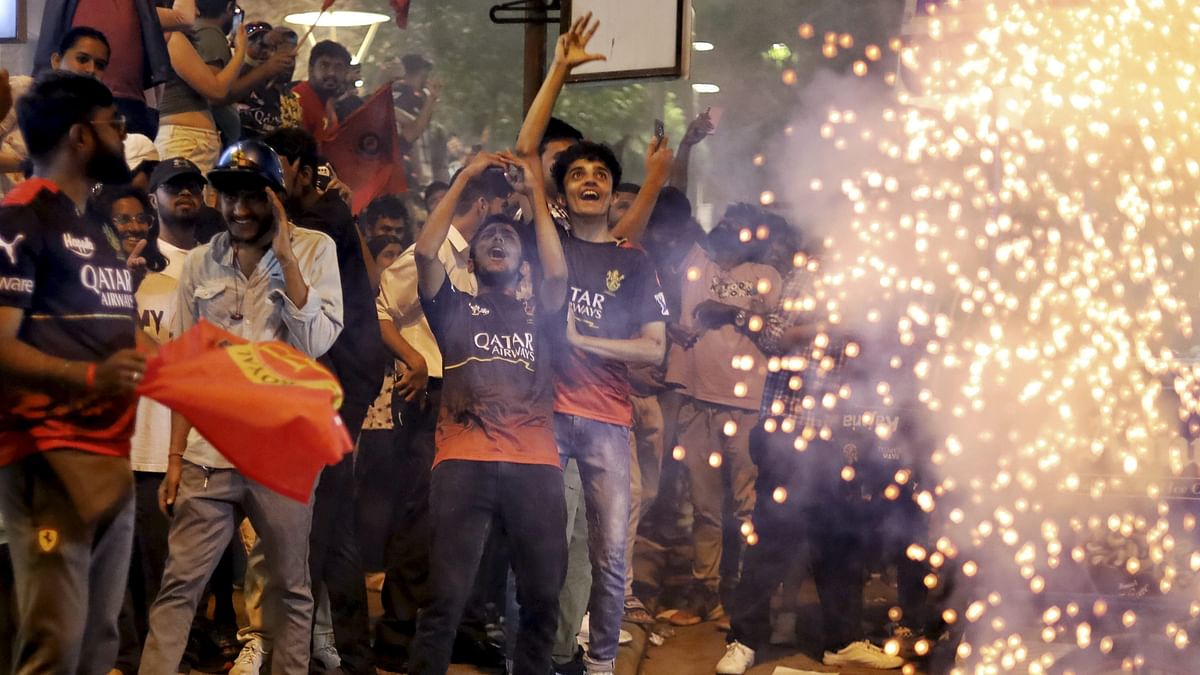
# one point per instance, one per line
(525, 347)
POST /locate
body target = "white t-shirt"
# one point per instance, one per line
(157, 302)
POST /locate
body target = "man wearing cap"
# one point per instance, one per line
(423, 144)
(262, 279)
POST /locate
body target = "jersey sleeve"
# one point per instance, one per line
(443, 308)
(20, 251)
(651, 301)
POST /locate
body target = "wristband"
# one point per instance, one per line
(90, 379)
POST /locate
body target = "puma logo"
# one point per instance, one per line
(10, 248)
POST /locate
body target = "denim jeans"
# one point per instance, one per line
(602, 452)
(466, 500)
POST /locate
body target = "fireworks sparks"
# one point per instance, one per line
(1014, 235)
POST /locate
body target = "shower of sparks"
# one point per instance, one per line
(1018, 243)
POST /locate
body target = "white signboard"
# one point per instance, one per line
(641, 38)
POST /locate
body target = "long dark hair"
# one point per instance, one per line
(99, 211)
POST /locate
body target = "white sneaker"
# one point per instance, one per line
(738, 659)
(250, 660)
(862, 653)
(326, 657)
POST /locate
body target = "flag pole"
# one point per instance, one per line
(324, 8)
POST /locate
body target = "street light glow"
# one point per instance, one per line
(336, 19)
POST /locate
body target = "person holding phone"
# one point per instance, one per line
(195, 118)
(262, 279)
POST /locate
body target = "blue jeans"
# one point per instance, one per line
(601, 450)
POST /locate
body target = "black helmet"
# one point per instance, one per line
(246, 165)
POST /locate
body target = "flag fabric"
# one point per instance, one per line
(365, 150)
(401, 9)
(268, 408)
(327, 4)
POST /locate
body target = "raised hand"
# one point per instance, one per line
(659, 159)
(571, 48)
(530, 172)
(700, 129)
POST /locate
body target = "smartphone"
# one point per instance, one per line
(324, 176)
(659, 131)
(239, 16)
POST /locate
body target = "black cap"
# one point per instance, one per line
(170, 169)
(415, 62)
(247, 164)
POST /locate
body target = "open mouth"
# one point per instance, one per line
(497, 253)
(589, 195)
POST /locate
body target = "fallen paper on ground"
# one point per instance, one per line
(784, 670)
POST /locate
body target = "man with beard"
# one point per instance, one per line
(263, 279)
(67, 335)
(328, 65)
(358, 359)
(496, 460)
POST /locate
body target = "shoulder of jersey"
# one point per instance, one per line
(27, 191)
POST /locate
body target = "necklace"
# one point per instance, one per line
(241, 297)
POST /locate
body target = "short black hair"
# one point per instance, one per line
(632, 188)
(376, 244)
(586, 150)
(145, 166)
(558, 130)
(211, 9)
(294, 143)
(78, 33)
(386, 206)
(58, 101)
(671, 209)
(432, 188)
(328, 48)
(99, 211)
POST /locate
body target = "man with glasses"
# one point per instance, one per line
(263, 90)
(67, 359)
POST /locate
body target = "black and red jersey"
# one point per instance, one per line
(613, 292)
(78, 301)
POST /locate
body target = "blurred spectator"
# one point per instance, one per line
(265, 99)
(386, 248)
(386, 216)
(135, 25)
(82, 50)
(622, 199)
(328, 67)
(724, 283)
(433, 194)
(193, 109)
(424, 146)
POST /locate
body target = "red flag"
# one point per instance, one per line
(268, 408)
(401, 7)
(327, 4)
(365, 150)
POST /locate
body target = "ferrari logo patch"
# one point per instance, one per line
(613, 280)
(47, 538)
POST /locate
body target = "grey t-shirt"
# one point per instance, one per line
(213, 48)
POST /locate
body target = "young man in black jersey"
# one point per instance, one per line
(68, 330)
(496, 462)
